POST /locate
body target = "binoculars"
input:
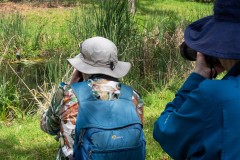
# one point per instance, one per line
(191, 55)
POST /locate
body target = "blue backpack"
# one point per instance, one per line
(107, 129)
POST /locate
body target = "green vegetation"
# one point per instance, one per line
(149, 39)
(154, 104)
(25, 140)
(9, 101)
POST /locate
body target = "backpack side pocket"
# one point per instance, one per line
(126, 143)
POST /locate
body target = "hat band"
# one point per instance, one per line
(111, 64)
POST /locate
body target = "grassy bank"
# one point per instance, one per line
(24, 140)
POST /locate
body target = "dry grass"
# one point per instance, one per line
(9, 7)
(26, 8)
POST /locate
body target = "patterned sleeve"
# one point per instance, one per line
(138, 101)
(50, 121)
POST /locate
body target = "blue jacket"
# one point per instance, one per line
(203, 120)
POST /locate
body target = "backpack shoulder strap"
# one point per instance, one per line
(82, 91)
(126, 92)
(105, 114)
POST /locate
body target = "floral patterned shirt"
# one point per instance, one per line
(60, 118)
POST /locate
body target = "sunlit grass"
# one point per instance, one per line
(154, 105)
(187, 10)
(25, 140)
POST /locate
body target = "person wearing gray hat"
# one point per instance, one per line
(96, 116)
(203, 120)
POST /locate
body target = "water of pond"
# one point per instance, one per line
(24, 75)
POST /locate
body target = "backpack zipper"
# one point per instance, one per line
(99, 151)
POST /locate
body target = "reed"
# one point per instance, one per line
(9, 101)
(12, 30)
(19, 34)
(107, 19)
(79, 26)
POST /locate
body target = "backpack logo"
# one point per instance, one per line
(114, 137)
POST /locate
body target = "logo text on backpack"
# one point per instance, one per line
(116, 137)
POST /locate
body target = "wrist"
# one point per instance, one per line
(203, 73)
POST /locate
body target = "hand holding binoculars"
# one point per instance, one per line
(191, 55)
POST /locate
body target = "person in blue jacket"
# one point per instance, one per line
(203, 120)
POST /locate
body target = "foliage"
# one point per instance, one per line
(9, 101)
(108, 19)
(148, 39)
(14, 29)
(114, 21)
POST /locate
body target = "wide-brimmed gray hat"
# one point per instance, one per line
(98, 55)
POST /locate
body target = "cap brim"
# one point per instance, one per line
(120, 70)
(214, 37)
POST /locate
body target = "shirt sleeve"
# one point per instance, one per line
(138, 102)
(178, 125)
(50, 121)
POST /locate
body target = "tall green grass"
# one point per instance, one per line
(16, 33)
(149, 41)
(26, 89)
(107, 19)
(9, 101)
